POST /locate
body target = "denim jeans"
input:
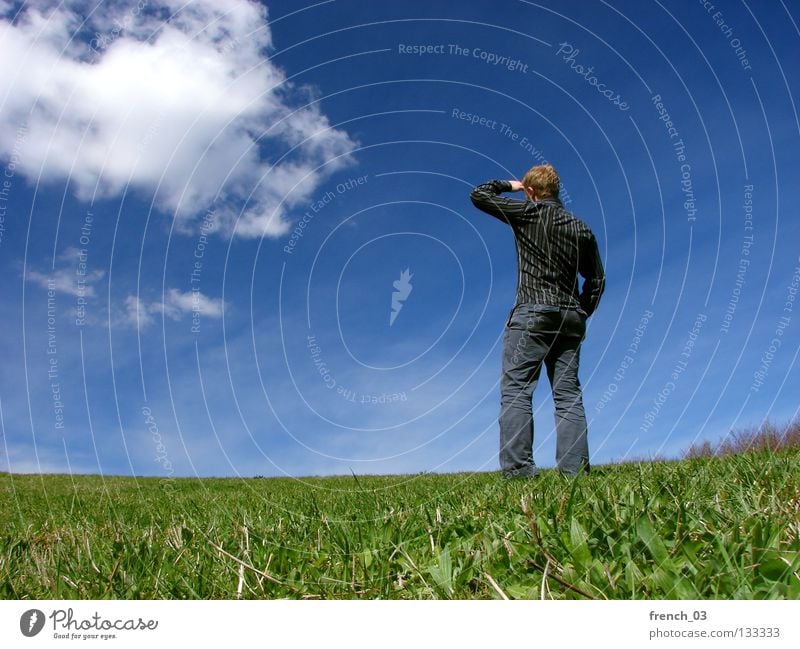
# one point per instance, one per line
(536, 334)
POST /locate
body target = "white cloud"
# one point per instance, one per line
(175, 305)
(136, 313)
(73, 278)
(181, 109)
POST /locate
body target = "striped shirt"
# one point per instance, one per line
(553, 248)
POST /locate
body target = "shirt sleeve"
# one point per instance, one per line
(486, 197)
(591, 269)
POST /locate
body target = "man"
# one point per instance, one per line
(548, 321)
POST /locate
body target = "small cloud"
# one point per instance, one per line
(72, 277)
(174, 306)
(136, 314)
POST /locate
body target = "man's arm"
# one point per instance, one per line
(486, 197)
(594, 278)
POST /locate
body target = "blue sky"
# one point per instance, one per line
(206, 209)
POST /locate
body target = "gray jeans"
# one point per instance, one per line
(536, 334)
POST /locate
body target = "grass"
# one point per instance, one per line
(705, 527)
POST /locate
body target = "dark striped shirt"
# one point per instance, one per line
(553, 248)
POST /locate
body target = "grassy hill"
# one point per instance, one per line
(706, 527)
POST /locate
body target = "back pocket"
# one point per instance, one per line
(528, 316)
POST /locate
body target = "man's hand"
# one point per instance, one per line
(516, 186)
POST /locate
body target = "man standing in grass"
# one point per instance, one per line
(548, 321)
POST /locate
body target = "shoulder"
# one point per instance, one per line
(581, 225)
(584, 232)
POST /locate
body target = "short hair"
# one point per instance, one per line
(543, 179)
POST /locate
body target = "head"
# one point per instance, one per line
(541, 181)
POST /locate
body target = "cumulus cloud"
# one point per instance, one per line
(176, 100)
(136, 313)
(71, 276)
(175, 305)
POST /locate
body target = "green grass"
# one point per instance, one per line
(712, 527)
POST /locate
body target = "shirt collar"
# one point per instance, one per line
(550, 199)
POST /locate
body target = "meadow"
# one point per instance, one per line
(712, 525)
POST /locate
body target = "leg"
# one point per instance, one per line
(523, 354)
(572, 447)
